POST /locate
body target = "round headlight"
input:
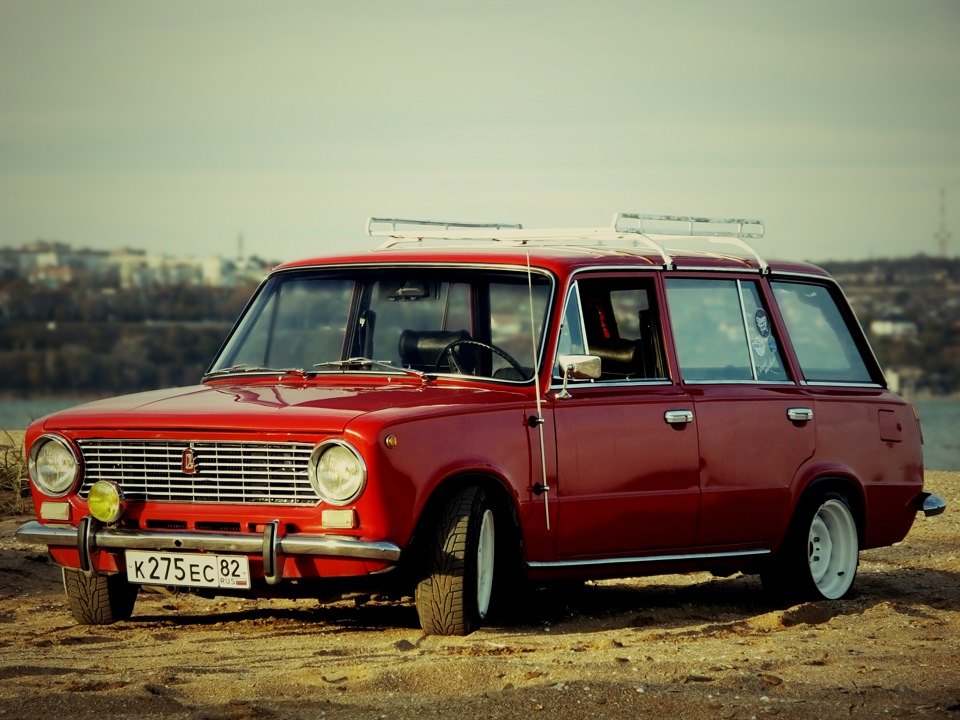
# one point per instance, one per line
(53, 465)
(105, 501)
(337, 472)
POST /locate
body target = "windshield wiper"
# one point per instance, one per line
(254, 369)
(363, 362)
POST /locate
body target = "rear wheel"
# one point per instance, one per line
(456, 587)
(820, 555)
(99, 600)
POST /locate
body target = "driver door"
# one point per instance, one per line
(627, 450)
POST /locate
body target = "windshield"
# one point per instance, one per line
(433, 320)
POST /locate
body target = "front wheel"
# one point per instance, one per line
(456, 586)
(99, 600)
(820, 555)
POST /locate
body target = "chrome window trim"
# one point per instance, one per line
(787, 274)
(609, 383)
(840, 384)
(614, 269)
(782, 383)
(698, 268)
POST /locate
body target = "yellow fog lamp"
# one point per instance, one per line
(105, 501)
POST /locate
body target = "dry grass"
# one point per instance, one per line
(14, 489)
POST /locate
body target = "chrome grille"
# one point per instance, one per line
(226, 472)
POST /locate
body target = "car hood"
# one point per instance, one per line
(253, 406)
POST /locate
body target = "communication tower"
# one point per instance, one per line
(942, 236)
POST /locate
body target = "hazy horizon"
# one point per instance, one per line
(177, 127)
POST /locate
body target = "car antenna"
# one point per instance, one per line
(542, 487)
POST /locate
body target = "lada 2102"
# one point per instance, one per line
(473, 408)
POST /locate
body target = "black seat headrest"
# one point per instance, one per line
(420, 349)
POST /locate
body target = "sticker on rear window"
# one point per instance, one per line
(762, 322)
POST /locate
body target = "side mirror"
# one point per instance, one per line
(578, 367)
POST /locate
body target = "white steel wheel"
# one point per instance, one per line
(486, 552)
(818, 557)
(832, 549)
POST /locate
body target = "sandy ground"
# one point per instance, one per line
(689, 646)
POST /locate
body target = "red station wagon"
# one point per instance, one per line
(472, 408)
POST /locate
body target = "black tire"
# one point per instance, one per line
(99, 600)
(456, 584)
(819, 556)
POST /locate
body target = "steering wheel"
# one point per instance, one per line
(457, 363)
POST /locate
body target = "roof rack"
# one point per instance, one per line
(702, 226)
(717, 230)
(729, 231)
(402, 230)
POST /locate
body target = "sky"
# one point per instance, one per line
(179, 126)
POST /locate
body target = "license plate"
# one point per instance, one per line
(186, 570)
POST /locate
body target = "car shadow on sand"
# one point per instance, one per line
(739, 599)
(698, 604)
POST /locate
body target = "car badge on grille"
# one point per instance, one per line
(188, 462)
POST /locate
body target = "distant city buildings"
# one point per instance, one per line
(893, 327)
(56, 264)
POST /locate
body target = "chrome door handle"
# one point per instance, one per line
(678, 417)
(799, 414)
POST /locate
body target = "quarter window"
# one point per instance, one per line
(722, 332)
(822, 339)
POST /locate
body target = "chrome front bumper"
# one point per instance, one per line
(91, 535)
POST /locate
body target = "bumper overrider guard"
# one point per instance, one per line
(92, 535)
(930, 504)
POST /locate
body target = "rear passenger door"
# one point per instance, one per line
(627, 477)
(755, 423)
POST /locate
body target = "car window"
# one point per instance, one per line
(571, 340)
(303, 317)
(444, 307)
(722, 332)
(436, 320)
(510, 320)
(764, 348)
(821, 338)
(615, 319)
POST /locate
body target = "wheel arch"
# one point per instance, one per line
(508, 566)
(842, 484)
(495, 488)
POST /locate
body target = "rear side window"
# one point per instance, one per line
(821, 337)
(722, 332)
